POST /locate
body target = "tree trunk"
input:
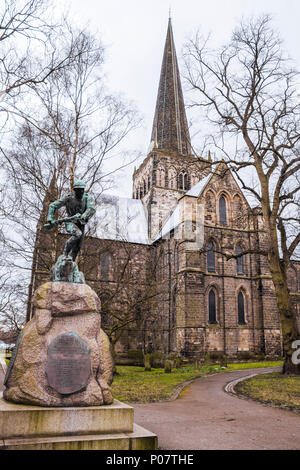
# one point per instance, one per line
(288, 321)
(113, 355)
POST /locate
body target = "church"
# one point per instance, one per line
(160, 261)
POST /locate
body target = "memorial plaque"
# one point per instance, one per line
(12, 359)
(68, 363)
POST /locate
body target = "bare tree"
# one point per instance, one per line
(71, 128)
(66, 127)
(127, 288)
(12, 315)
(250, 93)
(28, 50)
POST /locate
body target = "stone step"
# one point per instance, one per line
(17, 421)
(138, 439)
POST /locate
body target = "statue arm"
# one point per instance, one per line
(90, 208)
(53, 208)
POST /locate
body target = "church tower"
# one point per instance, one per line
(169, 169)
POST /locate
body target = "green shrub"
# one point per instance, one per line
(245, 355)
(168, 366)
(157, 359)
(213, 357)
(223, 361)
(176, 359)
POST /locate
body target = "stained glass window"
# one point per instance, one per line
(212, 307)
(211, 258)
(180, 181)
(241, 308)
(222, 211)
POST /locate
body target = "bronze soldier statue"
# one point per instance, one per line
(80, 208)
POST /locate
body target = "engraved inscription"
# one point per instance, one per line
(68, 363)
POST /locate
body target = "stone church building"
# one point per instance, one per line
(157, 260)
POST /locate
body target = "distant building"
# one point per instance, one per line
(167, 291)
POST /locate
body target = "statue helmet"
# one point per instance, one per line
(79, 184)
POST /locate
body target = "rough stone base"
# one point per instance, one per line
(108, 427)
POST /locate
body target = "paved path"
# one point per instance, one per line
(206, 417)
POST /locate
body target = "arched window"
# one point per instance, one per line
(141, 192)
(222, 211)
(241, 308)
(180, 181)
(184, 181)
(239, 260)
(212, 307)
(145, 187)
(105, 263)
(211, 258)
(149, 183)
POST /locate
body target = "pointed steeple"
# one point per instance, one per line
(170, 129)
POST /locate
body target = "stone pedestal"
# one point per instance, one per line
(57, 387)
(62, 357)
(107, 427)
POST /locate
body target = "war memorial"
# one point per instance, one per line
(57, 386)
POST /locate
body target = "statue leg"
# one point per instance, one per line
(77, 245)
(74, 243)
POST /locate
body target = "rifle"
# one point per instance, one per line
(65, 219)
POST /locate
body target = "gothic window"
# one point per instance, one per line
(184, 181)
(211, 258)
(239, 260)
(212, 307)
(145, 187)
(222, 211)
(141, 192)
(105, 263)
(137, 194)
(180, 181)
(241, 308)
(149, 183)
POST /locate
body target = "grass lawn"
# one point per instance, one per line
(133, 384)
(275, 388)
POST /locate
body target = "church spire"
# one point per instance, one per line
(170, 130)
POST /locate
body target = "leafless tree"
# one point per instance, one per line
(66, 126)
(28, 51)
(12, 315)
(72, 127)
(127, 288)
(250, 92)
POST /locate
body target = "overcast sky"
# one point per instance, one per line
(134, 32)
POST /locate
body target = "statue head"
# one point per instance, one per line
(79, 187)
